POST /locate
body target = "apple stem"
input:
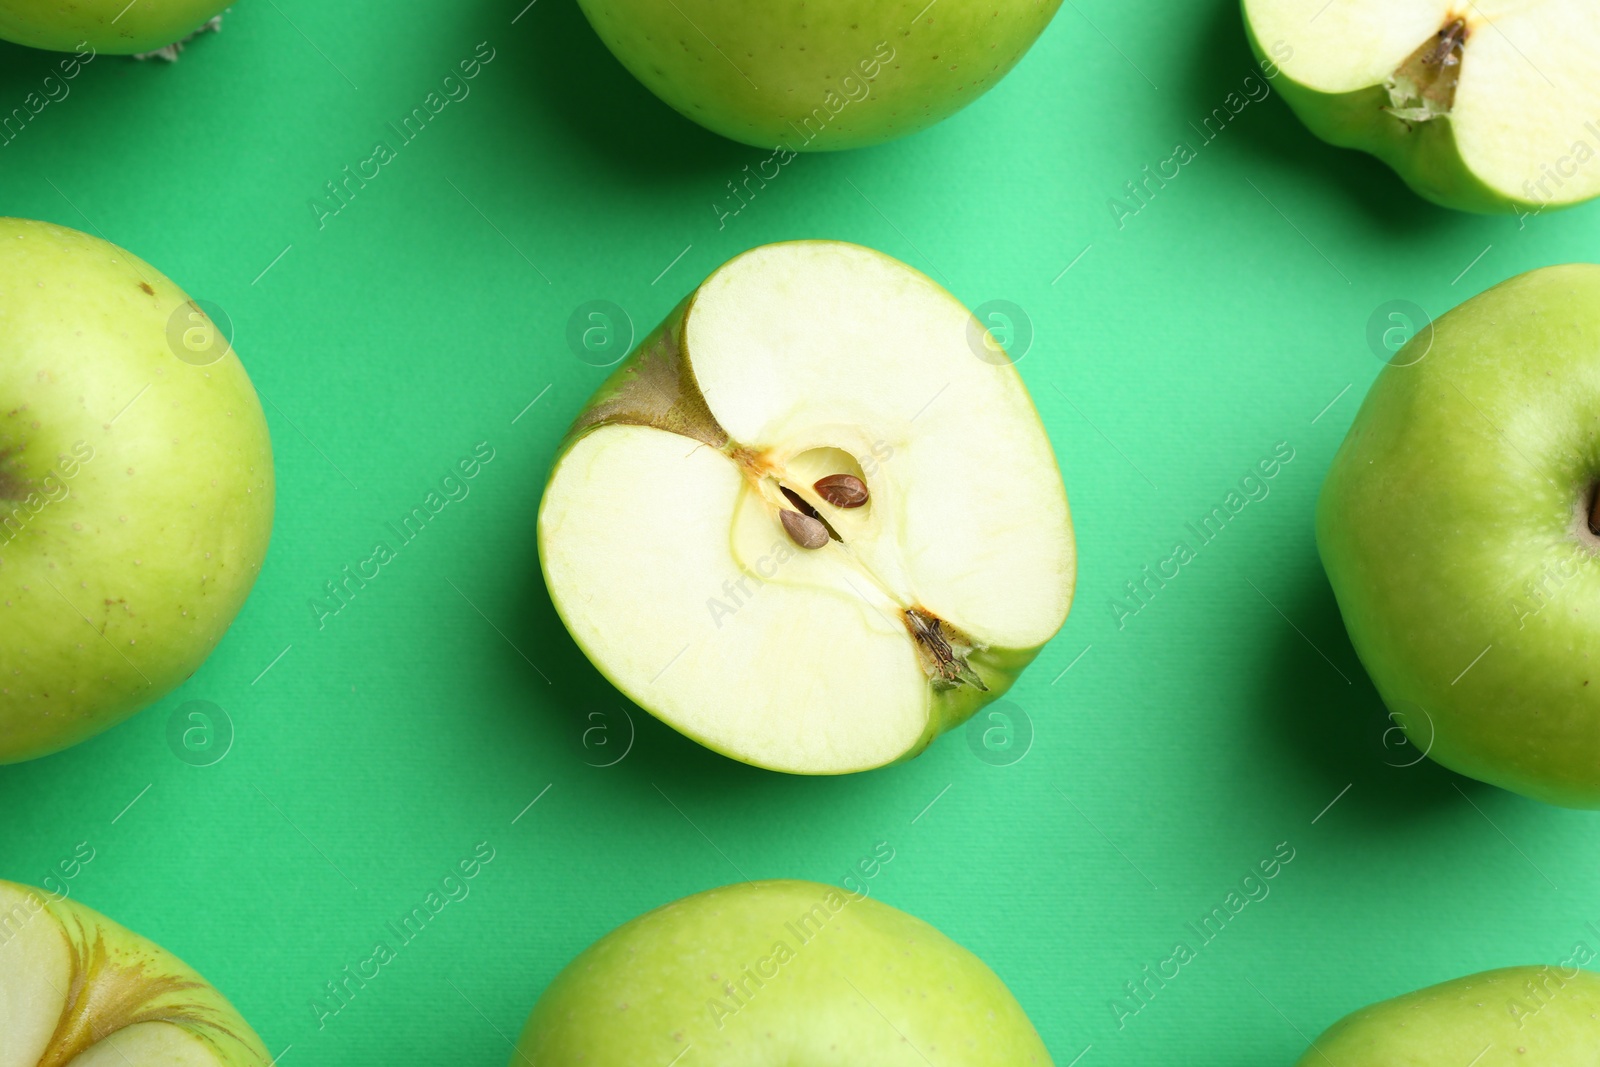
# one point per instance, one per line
(1594, 511)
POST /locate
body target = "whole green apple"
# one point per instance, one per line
(820, 75)
(812, 521)
(136, 486)
(778, 974)
(1512, 1017)
(1489, 106)
(1458, 528)
(76, 988)
(112, 27)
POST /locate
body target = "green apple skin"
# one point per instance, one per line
(1423, 154)
(735, 974)
(818, 75)
(136, 490)
(117, 986)
(656, 368)
(1513, 1016)
(110, 27)
(1453, 527)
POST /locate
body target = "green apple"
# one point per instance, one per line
(135, 486)
(76, 988)
(112, 27)
(1490, 106)
(822, 75)
(812, 521)
(778, 974)
(1458, 528)
(1512, 1017)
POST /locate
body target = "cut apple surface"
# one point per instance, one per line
(810, 394)
(1486, 106)
(76, 988)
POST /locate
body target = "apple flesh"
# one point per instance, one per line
(110, 27)
(136, 488)
(1510, 1017)
(824, 75)
(778, 973)
(690, 552)
(76, 988)
(1457, 528)
(1490, 106)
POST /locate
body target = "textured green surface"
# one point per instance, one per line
(1167, 764)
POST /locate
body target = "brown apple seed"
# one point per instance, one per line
(842, 490)
(803, 530)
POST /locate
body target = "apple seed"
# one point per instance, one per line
(806, 510)
(803, 530)
(842, 490)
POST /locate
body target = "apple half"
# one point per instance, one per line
(804, 523)
(778, 974)
(1488, 106)
(76, 988)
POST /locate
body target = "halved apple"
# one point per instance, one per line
(1488, 106)
(811, 522)
(76, 988)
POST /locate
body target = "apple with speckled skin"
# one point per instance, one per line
(822, 75)
(136, 488)
(110, 27)
(1513, 1017)
(788, 973)
(76, 988)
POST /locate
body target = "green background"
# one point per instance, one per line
(371, 754)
